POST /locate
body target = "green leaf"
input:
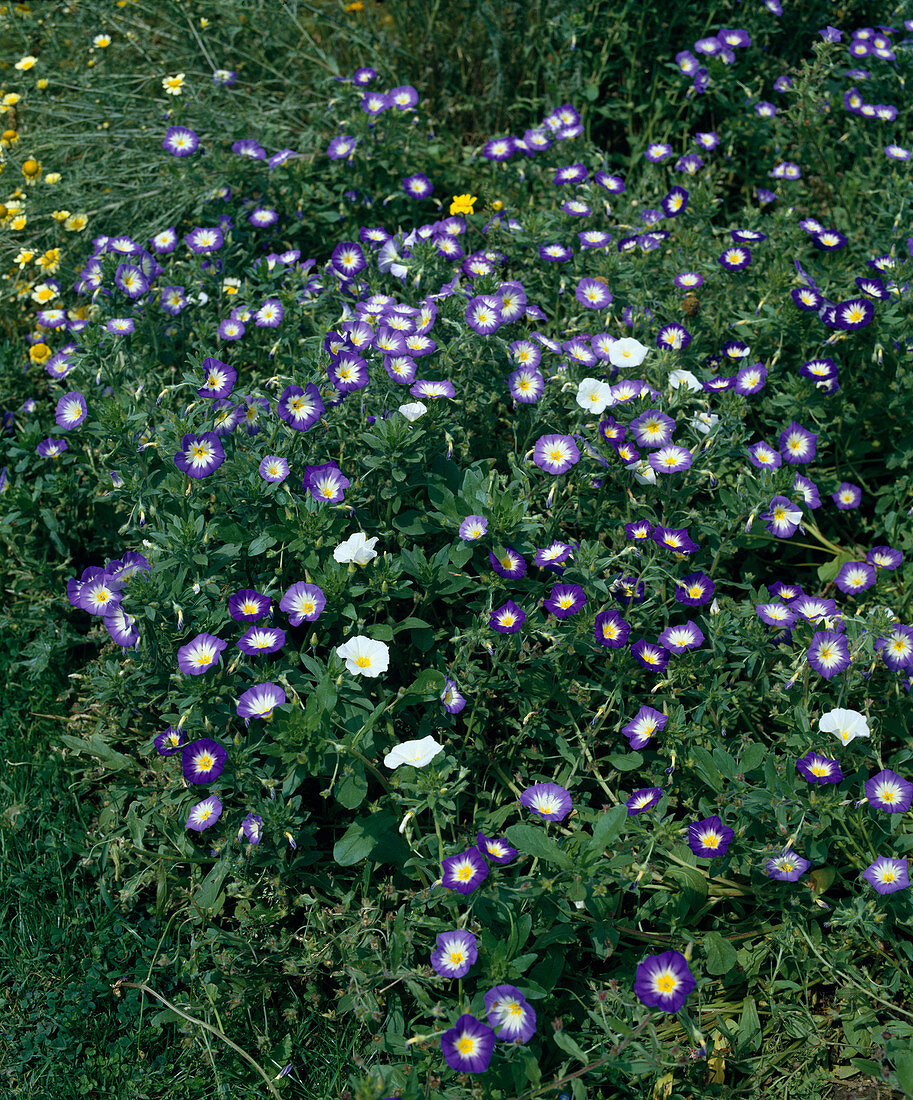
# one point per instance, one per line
(353, 846)
(626, 761)
(207, 893)
(534, 841)
(749, 1032)
(350, 791)
(569, 1046)
(721, 956)
(607, 828)
(260, 545)
(95, 746)
(428, 684)
(903, 1067)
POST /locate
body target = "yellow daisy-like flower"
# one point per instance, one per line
(463, 204)
(42, 294)
(497, 205)
(19, 222)
(25, 63)
(60, 215)
(39, 353)
(8, 138)
(102, 41)
(26, 255)
(31, 169)
(10, 99)
(357, 5)
(231, 286)
(42, 83)
(173, 85)
(52, 177)
(76, 222)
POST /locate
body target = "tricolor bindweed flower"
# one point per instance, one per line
(555, 454)
(496, 850)
(416, 754)
(509, 1014)
(507, 619)
(203, 761)
(889, 791)
(262, 639)
(549, 800)
(847, 497)
(200, 455)
(219, 378)
(709, 837)
(473, 527)
(325, 483)
(829, 653)
(887, 875)
(855, 576)
(508, 563)
(611, 630)
(200, 655)
(260, 701)
(645, 724)
(468, 1045)
(845, 725)
(204, 814)
(71, 411)
(664, 981)
(818, 769)
(464, 872)
(644, 799)
(670, 459)
(787, 867)
(251, 828)
(301, 408)
(452, 698)
(678, 639)
(169, 742)
(782, 518)
(454, 954)
(652, 656)
(564, 600)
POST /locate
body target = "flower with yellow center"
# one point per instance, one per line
(173, 85)
(76, 222)
(10, 99)
(31, 169)
(8, 138)
(25, 256)
(52, 177)
(19, 222)
(50, 260)
(25, 63)
(463, 204)
(102, 41)
(42, 83)
(39, 353)
(60, 215)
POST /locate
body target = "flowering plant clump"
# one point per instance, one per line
(552, 714)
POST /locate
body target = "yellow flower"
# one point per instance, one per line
(10, 99)
(50, 261)
(42, 83)
(26, 255)
(8, 138)
(76, 222)
(103, 41)
(204, 23)
(358, 5)
(60, 215)
(42, 294)
(497, 205)
(52, 177)
(4, 211)
(231, 286)
(25, 63)
(39, 353)
(173, 84)
(31, 169)
(463, 204)
(19, 222)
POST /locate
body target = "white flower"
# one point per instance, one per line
(703, 421)
(364, 656)
(358, 548)
(642, 471)
(683, 378)
(413, 410)
(416, 753)
(627, 352)
(594, 395)
(845, 725)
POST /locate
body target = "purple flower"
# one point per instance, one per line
(483, 314)
(203, 761)
(829, 653)
(657, 151)
(51, 448)
(782, 518)
(341, 147)
(418, 186)
(797, 444)
(777, 615)
(200, 455)
(498, 851)
(467, 1046)
(180, 141)
(628, 590)
(670, 459)
(325, 483)
(787, 867)
(513, 1019)
(831, 34)
(673, 336)
(564, 600)
(694, 590)
(570, 173)
(130, 279)
(888, 875)
(709, 837)
(262, 217)
(403, 97)
(676, 539)
(555, 253)
(664, 981)
(200, 655)
(433, 388)
(273, 468)
(204, 814)
(455, 953)
(644, 799)
(593, 294)
(808, 490)
(120, 326)
(508, 564)
(248, 605)
(71, 411)
(262, 639)
(507, 619)
(251, 828)
(553, 556)
(555, 454)
(219, 378)
(678, 639)
(897, 648)
(452, 698)
(829, 240)
(260, 701)
(652, 428)
(201, 240)
(465, 871)
(643, 726)
(301, 408)
(764, 456)
(121, 626)
(651, 655)
(853, 314)
(550, 801)
(847, 497)
(168, 743)
(611, 630)
(785, 170)
(889, 791)
(736, 258)
(303, 603)
(472, 528)
(526, 385)
(855, 576)
(818, 769)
